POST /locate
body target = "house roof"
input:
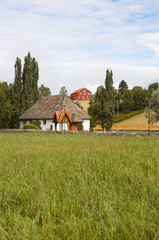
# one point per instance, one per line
(78, 90)
(61, 114)
(76, 119)
(46, 107)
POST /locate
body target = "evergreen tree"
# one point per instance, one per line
(122, 87)
(107, 103)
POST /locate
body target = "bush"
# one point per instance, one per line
(122, 116)
(80, 126)
(36, 122)
(30, 126)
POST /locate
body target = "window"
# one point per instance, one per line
(44, 122)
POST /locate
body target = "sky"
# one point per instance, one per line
(74, 42)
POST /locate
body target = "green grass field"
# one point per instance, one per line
(78, 187)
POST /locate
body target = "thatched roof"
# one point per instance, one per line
(46, 107)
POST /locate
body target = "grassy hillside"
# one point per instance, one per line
(138, 122)
(84, 104)
(78, 187)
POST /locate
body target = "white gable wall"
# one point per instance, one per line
(86, 125)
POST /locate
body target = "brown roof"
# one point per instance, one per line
(46, 107)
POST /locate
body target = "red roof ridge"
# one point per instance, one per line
(78, 90)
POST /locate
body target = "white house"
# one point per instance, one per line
(45, 108)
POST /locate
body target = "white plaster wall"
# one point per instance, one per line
(86, 125)
(21, 124)
(47, 125)
(65, 127)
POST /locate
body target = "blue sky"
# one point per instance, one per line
(75, 42)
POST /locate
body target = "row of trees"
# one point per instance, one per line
(109, 100)
(18, 96)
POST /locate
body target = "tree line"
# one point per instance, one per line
(17, 97)
(108, 101)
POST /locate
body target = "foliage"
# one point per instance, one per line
(98, 94)
(30, 77)
(63, 91)
(80, 126)
(6, 108)
(152, 87)
(154, 103)
(121, 117)
(36, 122)
(44, 91)
(18, 87)
(108, 185)
(107, 103)
(30, 126)
(140, 97)
(127, 104)
(149, 114)
(122, 87)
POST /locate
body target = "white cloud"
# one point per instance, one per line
(75, 41)
(150, 41)
(92, 88)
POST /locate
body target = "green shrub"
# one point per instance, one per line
(30, 126)
(80, 126)
(122, 116)
(36, 122)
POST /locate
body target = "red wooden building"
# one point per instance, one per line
(81, 93)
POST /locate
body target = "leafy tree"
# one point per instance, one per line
(107, 103)
(63, 91)
(127, 104)
(44, 91)
(5, 108)
(154, 103)
(140, 96)
(152, 87)
(98, 94)
(122, 87)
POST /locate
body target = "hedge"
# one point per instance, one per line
(122, 116)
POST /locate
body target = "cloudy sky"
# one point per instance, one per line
(75, 41)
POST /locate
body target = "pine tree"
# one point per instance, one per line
(122, 87)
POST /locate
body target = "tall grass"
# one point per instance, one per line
(78, 187)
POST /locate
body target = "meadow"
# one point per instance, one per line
(63, 186)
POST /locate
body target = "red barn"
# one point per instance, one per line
(81, 93)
